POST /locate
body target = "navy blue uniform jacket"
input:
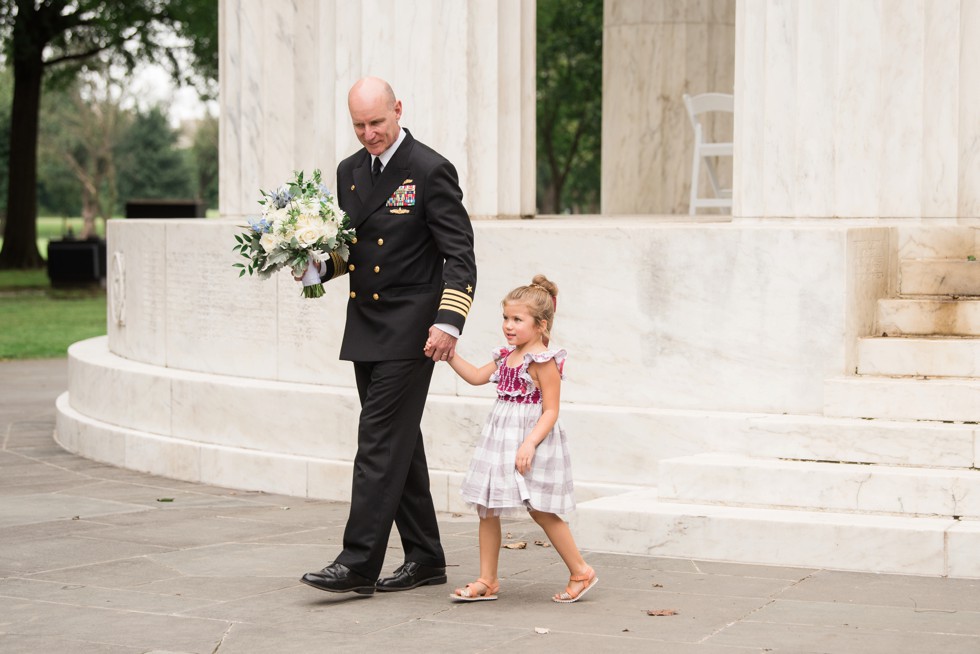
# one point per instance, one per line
(413, 263)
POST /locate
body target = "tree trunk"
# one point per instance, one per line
(20, 232)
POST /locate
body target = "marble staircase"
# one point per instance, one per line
(919, 375)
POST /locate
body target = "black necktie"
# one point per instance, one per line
(376, 169)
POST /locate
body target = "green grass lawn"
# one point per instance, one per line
(38, 322)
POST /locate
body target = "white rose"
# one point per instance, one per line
(307, 236)
(328, 229)
(278, 218)
(268, 242)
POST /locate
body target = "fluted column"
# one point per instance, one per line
(857, 109)
(463, 70)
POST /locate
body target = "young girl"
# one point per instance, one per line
(521, 461)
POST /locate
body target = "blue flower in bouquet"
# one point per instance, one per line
(301, 223)
(281, 197)
(259, 225)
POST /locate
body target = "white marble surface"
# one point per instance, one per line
(610, 445)
(856, 108)
(940, 277)
(925, 316)
(638, 523)
(738, 480)
(286, 68)
(893, 398)
(136, 285)
(964, 543)
(929, 240)
(719, 317)
(924, 357)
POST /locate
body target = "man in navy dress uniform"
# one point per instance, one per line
(412, 275)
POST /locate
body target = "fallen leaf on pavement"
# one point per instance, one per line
(661, 612)
(519, 545)
(542, 543)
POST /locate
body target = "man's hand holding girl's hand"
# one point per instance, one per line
(440, 346)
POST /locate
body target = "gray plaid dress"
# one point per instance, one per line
(492, 483)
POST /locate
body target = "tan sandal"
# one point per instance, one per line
(567, 596)
(469, 592)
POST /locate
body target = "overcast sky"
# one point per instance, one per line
(151, 85)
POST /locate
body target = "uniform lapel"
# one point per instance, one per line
(362, 178)
(391, 178)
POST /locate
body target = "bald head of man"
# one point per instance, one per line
(375, 113)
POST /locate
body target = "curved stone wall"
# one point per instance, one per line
(682, 338)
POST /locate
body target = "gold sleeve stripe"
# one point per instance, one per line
(451, 293)
(450, 304)
(447, 308)
(338, 265)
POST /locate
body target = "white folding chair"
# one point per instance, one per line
(697, 107)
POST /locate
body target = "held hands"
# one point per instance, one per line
(440, 346)
(525, 454)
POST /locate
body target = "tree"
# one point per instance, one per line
(149, 164)
(205, 151)
(59, 38)
(569, 94)
(6, 93)
(82, 127)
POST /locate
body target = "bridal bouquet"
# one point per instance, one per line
(300, 222)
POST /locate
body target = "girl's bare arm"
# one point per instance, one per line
(470, 373)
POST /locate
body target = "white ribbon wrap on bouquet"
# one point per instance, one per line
(311, 276)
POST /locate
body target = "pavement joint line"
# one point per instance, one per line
(746, 616)
(221, 641)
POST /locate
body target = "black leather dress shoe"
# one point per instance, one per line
(411, 575)
(338, 578)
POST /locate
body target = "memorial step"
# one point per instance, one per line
(640, 523)
(737, 480)
(941, 317)
(853, 440)
(895, 398)
(919, 356)
(954, 277)
(938, 242)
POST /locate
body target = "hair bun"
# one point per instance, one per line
(546, 284)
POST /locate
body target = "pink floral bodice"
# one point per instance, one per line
(515, 384)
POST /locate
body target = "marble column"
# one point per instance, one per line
(655, 51)
(463, 70)
(857, 109)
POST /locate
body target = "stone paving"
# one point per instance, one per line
(97, 559)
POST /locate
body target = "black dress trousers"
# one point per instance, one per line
(391, 477)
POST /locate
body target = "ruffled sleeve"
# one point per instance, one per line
(499, 357)
(558, 355)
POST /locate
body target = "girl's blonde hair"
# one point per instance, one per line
(541, 299)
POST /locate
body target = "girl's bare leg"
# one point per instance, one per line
(489, 552)
(561, 538)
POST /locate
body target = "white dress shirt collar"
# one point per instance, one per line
(390, 152)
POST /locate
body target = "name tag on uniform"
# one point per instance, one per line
(404, 196)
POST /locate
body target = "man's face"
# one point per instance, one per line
(375, 122)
